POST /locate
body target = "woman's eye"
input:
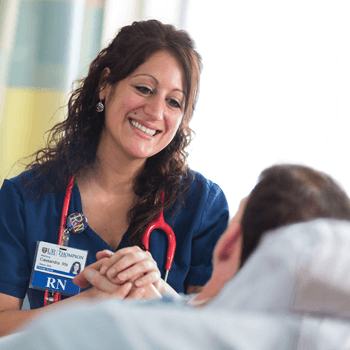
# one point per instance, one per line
(174, 103)
(144, 90)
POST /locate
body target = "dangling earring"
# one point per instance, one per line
(100, 107)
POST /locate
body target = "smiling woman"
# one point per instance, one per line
(122, 146)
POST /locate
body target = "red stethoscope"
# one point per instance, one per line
(158, 223)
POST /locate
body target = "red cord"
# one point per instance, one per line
(65, 210)
(67, 196)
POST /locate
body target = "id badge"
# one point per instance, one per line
(55, 266)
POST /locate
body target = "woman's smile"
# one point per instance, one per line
(143, 128)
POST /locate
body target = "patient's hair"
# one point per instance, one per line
(287, 194)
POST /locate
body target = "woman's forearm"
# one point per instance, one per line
(11, 320)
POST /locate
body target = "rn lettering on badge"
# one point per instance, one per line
(55, 284)
(55, 267)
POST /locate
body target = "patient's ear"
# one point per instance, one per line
(230, 246)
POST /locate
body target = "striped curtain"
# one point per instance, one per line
(44, 47)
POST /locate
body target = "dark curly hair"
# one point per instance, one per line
(72, 144)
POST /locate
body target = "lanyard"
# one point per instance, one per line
(63, 237)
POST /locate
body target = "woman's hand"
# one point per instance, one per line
(160, 284)
(103, 288)
(126, 265)
(131, 263)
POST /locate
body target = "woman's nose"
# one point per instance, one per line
(155, 108)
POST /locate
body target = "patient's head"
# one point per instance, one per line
(287, 194)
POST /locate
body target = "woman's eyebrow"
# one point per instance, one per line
(157, 82)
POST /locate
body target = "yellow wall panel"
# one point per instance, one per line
(27, 115)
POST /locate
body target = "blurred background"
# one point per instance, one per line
(275, 85)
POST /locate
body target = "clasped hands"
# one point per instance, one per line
(129, 273)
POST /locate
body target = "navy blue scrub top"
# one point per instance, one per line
(25, 220)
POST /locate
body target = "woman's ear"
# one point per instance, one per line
(103, 86)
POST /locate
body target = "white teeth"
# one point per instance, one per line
(142, 128)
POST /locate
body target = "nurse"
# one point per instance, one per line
(124, 141)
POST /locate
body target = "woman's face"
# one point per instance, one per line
(76, 267)
(144, 111)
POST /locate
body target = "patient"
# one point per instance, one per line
(293, 267)
(285, 194)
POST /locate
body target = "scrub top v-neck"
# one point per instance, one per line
(78, 205)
